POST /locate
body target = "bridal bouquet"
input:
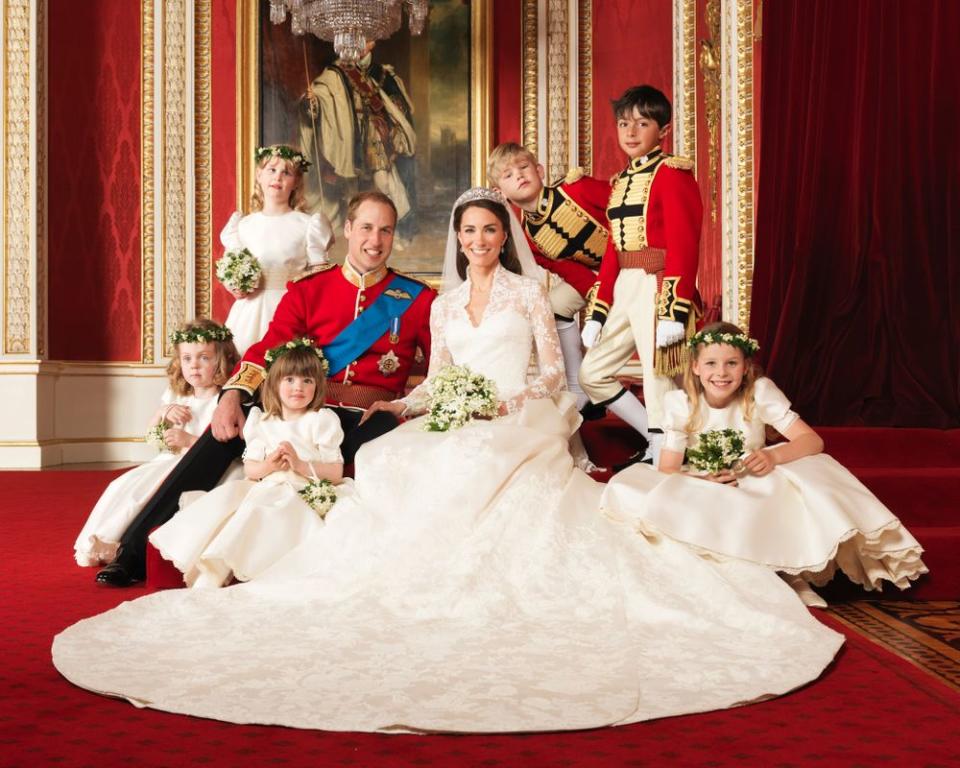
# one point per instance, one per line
(154, 436)
(239, 271)
(320, 495)
(457, 395)
(718, 449)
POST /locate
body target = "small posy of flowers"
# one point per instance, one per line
(154, 435)
(740, 340)
(239, 271)
(320, 495)
(306, 342)
(457, 395)
(717, 450)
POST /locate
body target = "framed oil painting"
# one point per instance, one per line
(412, 119)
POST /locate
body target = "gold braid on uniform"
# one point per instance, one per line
(671, 360)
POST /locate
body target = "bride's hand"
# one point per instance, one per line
(392, 406)
(725, 477)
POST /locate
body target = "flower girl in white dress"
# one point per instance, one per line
(244, 526)
(204, 356)
(789, 506)
(287, 242)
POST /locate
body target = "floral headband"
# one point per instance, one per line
(274, 353)
(741, 341)
(195, 334)
(284, 152)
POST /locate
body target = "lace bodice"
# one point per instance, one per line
(771, 407)
(517, 319)
(285, 245)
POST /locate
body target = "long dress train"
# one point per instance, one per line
(469, 584)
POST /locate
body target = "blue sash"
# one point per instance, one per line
(372, 323)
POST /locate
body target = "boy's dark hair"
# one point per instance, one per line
(649, 102)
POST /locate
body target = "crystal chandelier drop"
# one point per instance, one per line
(349, 24)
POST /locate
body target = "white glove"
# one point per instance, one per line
(590, 333)
(669, 332)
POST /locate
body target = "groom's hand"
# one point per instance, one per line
(393, 406)
(228, 418)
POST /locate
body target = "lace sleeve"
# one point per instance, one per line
(418, 401)
(550, 379)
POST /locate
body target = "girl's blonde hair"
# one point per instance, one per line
(297, 196)
(693, 387)
(301, 361)
(226, 351)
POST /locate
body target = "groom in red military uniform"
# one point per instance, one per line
(368, 319)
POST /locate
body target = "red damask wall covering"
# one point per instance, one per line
(94, 180)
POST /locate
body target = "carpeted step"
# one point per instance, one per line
(928, 496)
(889, 447)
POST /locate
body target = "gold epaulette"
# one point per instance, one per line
(315, 269)
(574, 174)
(679, 161)
(415, 279)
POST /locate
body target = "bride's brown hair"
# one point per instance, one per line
(508, 256)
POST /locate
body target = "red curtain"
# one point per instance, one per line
(856, 294)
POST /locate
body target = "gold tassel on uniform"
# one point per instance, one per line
(672, 360)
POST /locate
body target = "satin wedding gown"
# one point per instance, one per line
(469, 584)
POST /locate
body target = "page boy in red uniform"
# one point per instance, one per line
(566, 226)
(646, 300)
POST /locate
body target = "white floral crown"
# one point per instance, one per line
(195, 334)
(741, 341)
(274, 353)
(285, 152)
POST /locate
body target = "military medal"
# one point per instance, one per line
(394, 332)
(388, 363)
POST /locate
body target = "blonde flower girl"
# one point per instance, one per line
(204, 356)
(788, 506)
(286, 242)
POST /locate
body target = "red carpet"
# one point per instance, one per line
(869, 708)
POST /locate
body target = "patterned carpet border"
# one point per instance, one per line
(925, 634)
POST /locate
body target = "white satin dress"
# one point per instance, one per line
(470, 584)
(808, 517)
(287, 246)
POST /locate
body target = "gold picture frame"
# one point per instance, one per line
(249, 83)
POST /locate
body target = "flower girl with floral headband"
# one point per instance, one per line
(294, 469)
(787, 506)
(204, 356)
(273, 245)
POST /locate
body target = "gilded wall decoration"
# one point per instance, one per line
(685, 78)
(174, 168)
(530, 85)
(147, 243)
(202, 170)
(710, 61)
(18, 232)
(558, 87)
(585, 87)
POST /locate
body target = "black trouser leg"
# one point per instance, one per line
(199, 470)
(356, 434)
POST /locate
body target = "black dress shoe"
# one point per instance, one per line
(592, 412)
(640, 457)
(117, 574)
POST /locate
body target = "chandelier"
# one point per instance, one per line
(349, 24)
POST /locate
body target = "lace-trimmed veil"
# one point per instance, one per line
(451, 278)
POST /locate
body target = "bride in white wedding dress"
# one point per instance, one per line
(470, 583)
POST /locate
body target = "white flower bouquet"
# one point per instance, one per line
(717, 450)
(154, 435)
(457, 395)
(239, 271)
(320, 495)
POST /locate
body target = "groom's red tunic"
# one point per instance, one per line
(321, 306)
